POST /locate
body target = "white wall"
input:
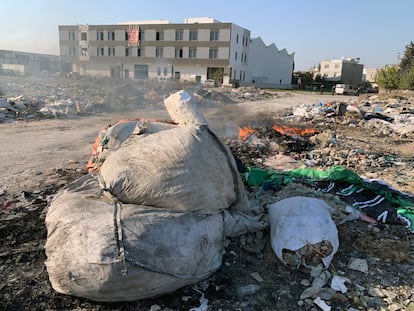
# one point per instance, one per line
(236, 46)
(268, 63)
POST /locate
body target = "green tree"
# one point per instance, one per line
(407, 61)
(388, 77)
(407, 80)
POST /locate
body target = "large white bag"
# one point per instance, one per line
(299, 221)
(185, 168)
(102, 250)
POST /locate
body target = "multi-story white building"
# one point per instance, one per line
(197, 50)
(347, 70)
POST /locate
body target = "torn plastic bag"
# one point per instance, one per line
(111, 138)
(301, 224)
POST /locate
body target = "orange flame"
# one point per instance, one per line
(294, 131)
(245, 132)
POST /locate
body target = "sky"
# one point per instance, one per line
(376, 31)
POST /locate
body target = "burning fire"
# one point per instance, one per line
(294, 131)
(245, 132)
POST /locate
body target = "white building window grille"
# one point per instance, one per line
(159, 51)
(192, 53)
(178, 53)
(71, 36)
(140, 52)
(214, 35)
(193, 35)
(99, 36)
(72, 51)
(159, 36)
(111, 51)
(213, 53)
(178, 35)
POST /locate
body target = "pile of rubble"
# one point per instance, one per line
(35, 98)
(374, 138)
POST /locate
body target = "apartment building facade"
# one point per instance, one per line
(347, 70)
(196, 50)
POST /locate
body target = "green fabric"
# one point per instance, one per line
(259, 177)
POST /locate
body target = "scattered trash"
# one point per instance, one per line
(358, 264)
(322, 304)
(257, 277)
(338, 283)
(249, 289)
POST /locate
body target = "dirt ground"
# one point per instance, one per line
(40, 157)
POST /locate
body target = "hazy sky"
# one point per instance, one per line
(376, 31)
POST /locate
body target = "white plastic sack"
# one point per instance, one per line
(106, 251)
(185, 168)
(297, 221)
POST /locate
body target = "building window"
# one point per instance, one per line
(237, 38)
(140, 52)
(141, 36)
(111, 51)
(126, 35)
(165, 70)
(193, 35)
(158, 71)
(127, 52)
(213, 53)
(326, 66)
(178, 53)
(84, 51)
(336, 65)
(159, 52)
(111, 35)
(178, 35)
(84, 36)
(100, 51)
(159, 36)
(72, 51)
(71, 35)
(192, 53)
(99, 36)
(214, 35)
(235, 56)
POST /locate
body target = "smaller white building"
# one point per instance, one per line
(346, 70)
(268, 66)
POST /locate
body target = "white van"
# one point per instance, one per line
(345, 89)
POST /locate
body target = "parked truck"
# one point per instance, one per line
(346, 89)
